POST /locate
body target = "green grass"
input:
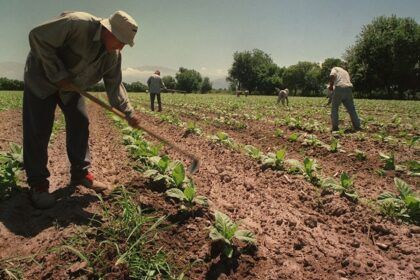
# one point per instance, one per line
(10, 100)
(126, 240)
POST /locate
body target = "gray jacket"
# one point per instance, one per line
(69, 47)
(155, 84)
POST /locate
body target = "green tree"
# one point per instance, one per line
(9, 84)
(206, 85)
(326, 67)
(385, 57)
(99, 87)
(304, 76)
(138, 87)
(169, 82)
(270, 77)
(254, 70)
(188, 80)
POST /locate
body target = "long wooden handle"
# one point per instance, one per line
(195, 161)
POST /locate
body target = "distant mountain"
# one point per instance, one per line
(12, 70)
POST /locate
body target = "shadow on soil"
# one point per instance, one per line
(228, 266)
(21, 218)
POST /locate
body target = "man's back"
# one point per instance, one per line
(155, 83)
(342, 77)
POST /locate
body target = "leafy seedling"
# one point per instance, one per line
(225, 230)
(389, 161)
(274, 160)
(344, 187)
(404, 205)
(253, 152)
(293, 137)
(188, 197)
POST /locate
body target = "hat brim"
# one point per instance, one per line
(107, 24)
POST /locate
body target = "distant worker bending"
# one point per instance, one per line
(283, 95)
(155, 84)
(341, 87)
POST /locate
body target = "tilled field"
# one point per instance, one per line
(301, 232)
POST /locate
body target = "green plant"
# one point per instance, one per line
(293, 123)
(344, 187)
(188, 196)
(274, 160)
(192, 128)
(293, 166)
(413, 141)
(253, 152)
(413, 167)
(405, 205)
(11, 164)
(225, 230)
(334, 145)
(388, 160)
(163, 169)
(293, 137)
(309, 170)
(360, 155)
(278, 133)
(223, 138)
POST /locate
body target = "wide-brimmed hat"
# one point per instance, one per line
(122, 26)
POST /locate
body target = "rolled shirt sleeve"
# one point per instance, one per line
(117, 94)
(45, 40)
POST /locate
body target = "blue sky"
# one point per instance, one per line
(204, 34)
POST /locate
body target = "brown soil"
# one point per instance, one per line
(301, 234)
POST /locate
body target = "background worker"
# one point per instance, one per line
(72, 51)
(282, 95)
(341, 88)
(155, 84)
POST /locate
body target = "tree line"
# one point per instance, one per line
(188, 80)
(384, 62)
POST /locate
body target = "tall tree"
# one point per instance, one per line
(250, 67)
(206, 85)
(303, 76)
(385, 56)
(169, 82)
(188, 80)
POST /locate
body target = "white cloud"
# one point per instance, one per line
(132, 74)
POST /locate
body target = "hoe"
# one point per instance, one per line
(195, 161)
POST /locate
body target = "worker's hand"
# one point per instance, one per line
(66, 85)
(134, 120)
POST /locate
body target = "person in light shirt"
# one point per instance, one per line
(342, 92)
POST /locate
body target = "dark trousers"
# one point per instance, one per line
(38, 119)
(152, 101)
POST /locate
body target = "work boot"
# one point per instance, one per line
(89, 181)
(40, 197)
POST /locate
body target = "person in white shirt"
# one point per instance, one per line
(341, 87)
